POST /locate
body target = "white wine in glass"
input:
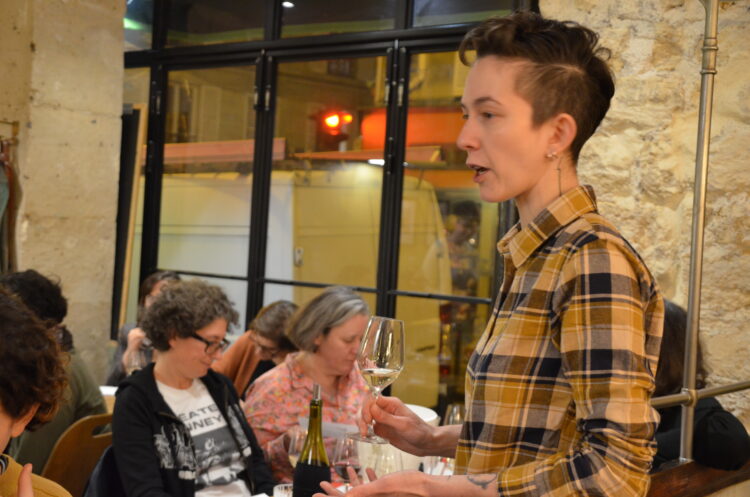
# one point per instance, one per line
(380, 360)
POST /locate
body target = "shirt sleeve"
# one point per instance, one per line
(605, 315)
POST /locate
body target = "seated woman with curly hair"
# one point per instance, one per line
(32, 381)
(178, 429)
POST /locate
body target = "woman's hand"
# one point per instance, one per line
(398, 424)
(416, 484)
(25, 488)
(135, 339)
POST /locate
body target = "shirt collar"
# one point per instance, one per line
(520, 243)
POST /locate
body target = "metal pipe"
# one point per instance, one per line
(714, 391)
(669, 400)
(708, 71)
(683, 397)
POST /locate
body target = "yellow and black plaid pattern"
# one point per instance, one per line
(558, 387)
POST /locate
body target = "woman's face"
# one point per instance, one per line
(338, 349)
(155, 291)
(189, 356)
(13, 427)
(267, 349)
(504, 147)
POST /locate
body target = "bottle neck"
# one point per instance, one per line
(316, 418)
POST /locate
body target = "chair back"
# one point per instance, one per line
(76, 453)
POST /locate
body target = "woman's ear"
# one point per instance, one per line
(17, 425)
(563, 131)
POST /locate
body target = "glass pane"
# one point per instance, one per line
(321, 17)
(300, 295)
(448, 235)
(208, 160)
(431, 13)
(135, 96)
(327, 172)
(237, 292)
(138, 23)
(204, 22)
(437, 350)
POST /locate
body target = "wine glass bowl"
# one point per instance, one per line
(297, 437)
(344, 456)
(380, 360)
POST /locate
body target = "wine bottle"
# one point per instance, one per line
(312, 466)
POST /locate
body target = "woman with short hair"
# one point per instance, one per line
(32, 385)
(263, 346)
(327, 330)
(178, 429)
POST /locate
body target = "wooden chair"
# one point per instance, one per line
(76, 453)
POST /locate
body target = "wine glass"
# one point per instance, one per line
(297, 437)
(380, 360)
(344, 456)
(454, 415)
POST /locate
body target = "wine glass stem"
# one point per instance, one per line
(371, 426)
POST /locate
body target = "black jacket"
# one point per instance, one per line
(719, 439)
(154, 450)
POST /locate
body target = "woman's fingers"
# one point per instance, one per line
(24, 482)
(353, 476)
(330, 490)
(371, 474)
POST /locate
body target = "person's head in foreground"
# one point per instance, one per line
(32, 380)
(187, 323)
(268, 328)
(536, 91)
(329, 328)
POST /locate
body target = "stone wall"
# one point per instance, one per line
(642, 159)
(63, 83)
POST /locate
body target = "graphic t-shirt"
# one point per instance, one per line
(218, 459)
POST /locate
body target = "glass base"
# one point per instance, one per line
(369, 438)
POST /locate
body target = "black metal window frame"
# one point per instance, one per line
(398, 45)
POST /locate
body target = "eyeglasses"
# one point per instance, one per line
(265, 349)
(212, 347)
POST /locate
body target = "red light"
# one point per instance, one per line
(332, 120)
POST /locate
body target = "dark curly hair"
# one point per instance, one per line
(564, 70)
(183, 308)
(40, 294)
(32, 365)
(44, 297)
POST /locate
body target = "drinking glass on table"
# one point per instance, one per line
(380, 360)
(344, 456)
(296, 441)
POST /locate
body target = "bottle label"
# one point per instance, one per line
(307, 478)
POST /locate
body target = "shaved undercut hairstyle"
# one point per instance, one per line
(565, 70)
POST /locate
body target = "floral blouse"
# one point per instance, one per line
(277, 400)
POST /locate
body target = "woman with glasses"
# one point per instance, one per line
(178, 429)
(260, 348)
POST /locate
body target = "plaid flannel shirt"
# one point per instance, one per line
(558, 387)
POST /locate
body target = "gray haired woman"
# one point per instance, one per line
(327, 330)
